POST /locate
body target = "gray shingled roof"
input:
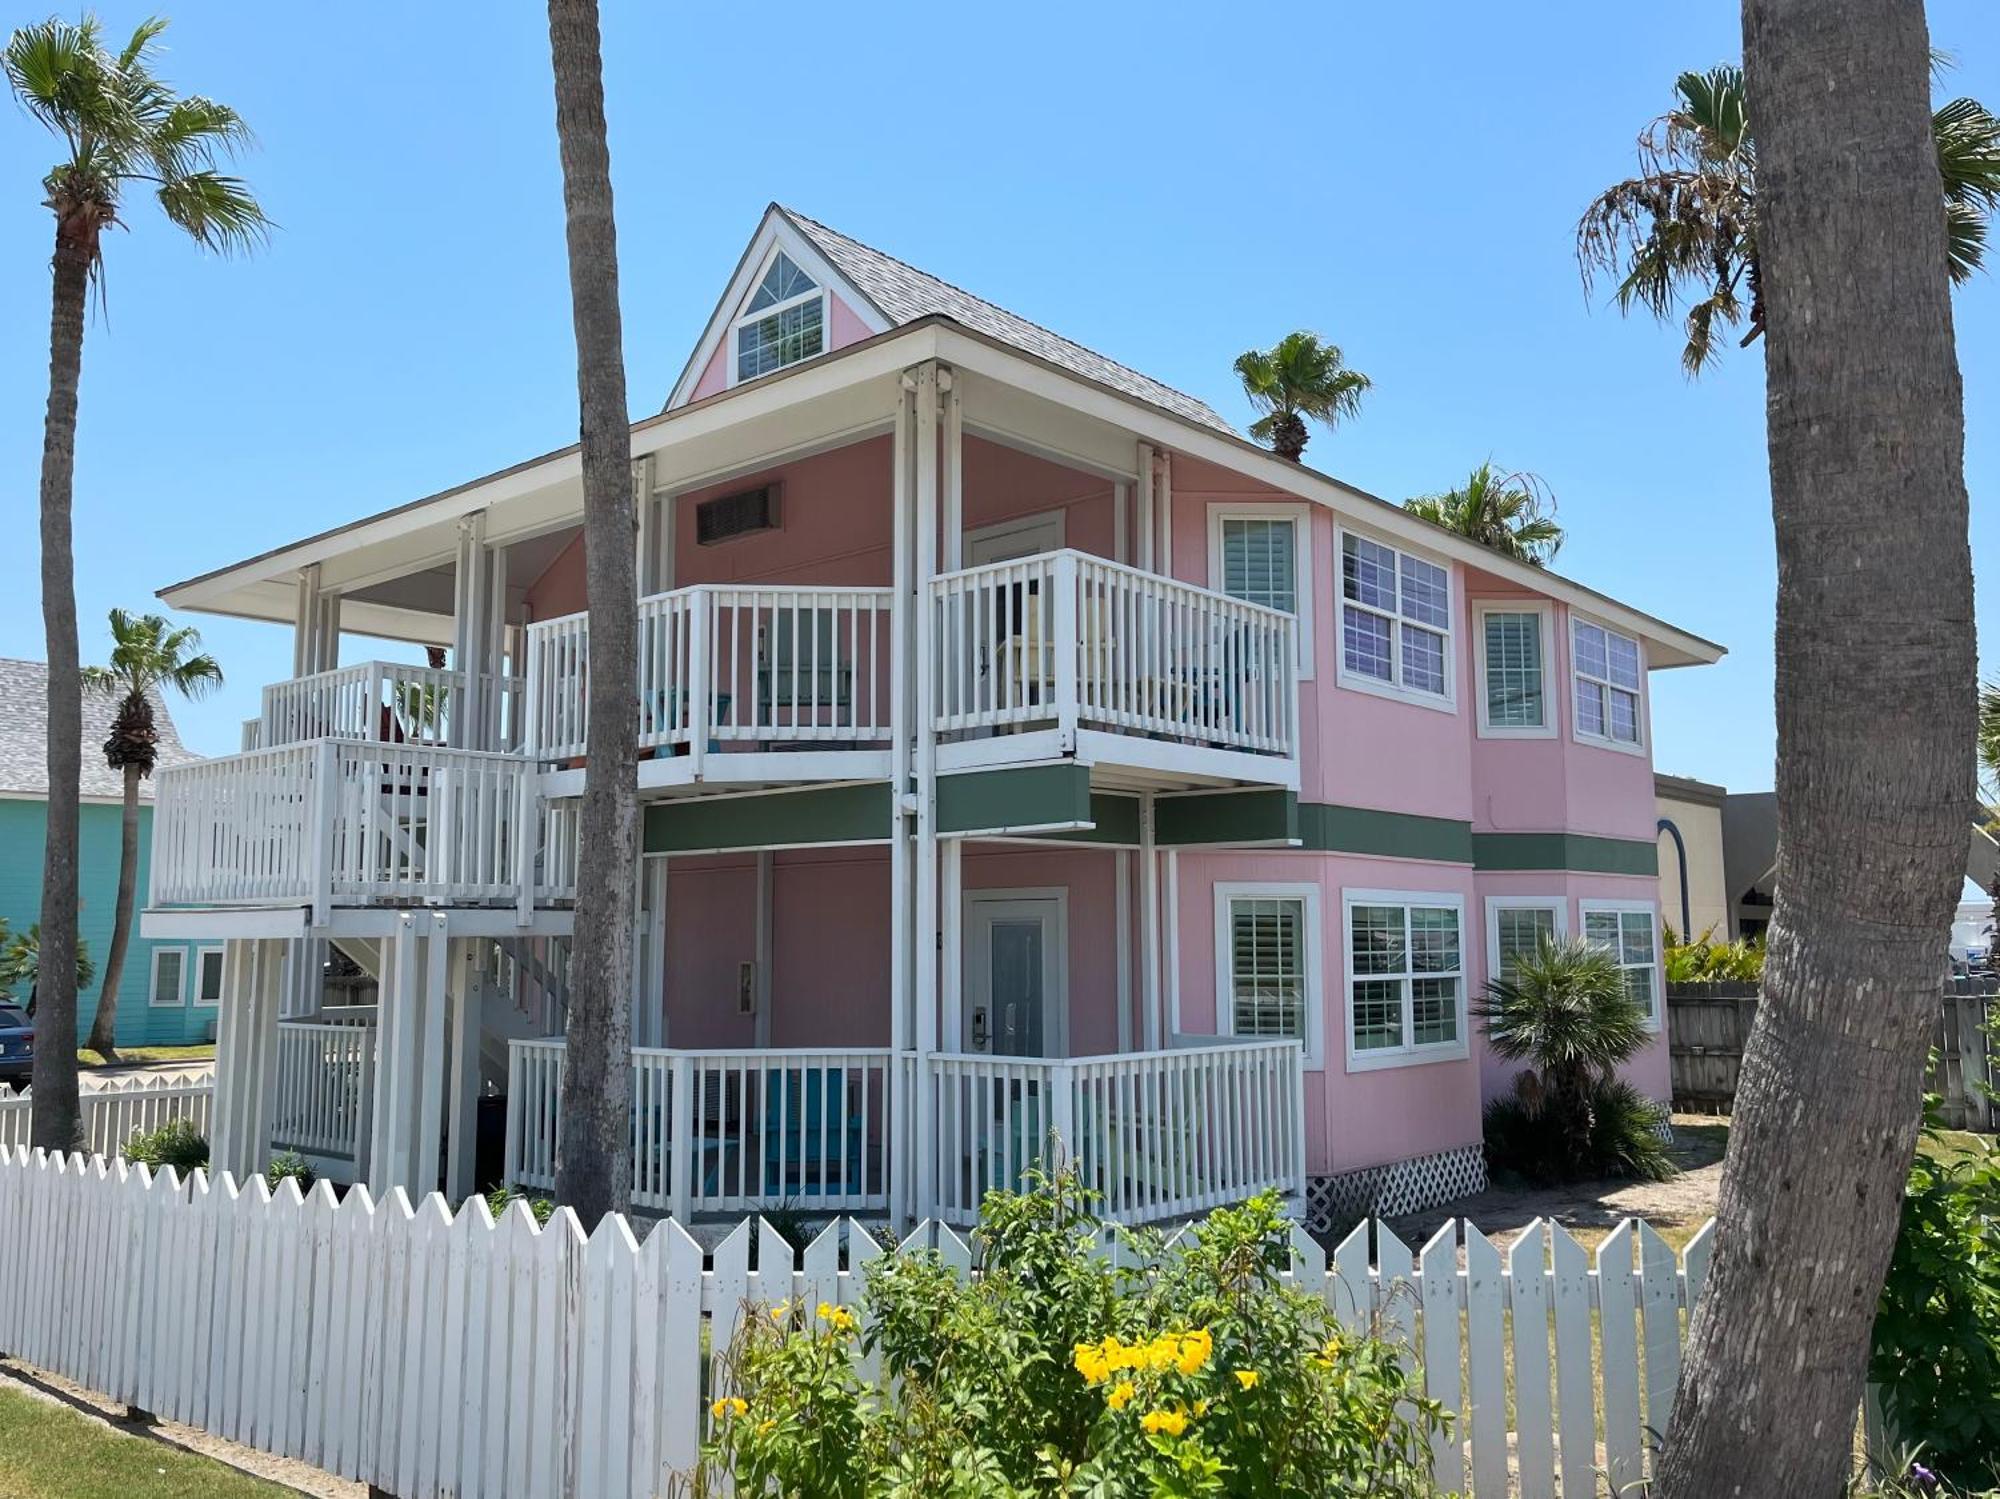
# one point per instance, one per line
(24, 732)
(902, 294)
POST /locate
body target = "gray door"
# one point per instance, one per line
(1013, 976)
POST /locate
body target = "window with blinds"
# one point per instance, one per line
(1260, 562)
(784, 321)
(1512, 652)
(1519, 932)
(1267, 967)
(1406, 978)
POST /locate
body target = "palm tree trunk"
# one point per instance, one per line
(593, 1161)
(104, 1024)
(57, 1119)
(1876, 717)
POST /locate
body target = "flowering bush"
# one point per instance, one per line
(1057, 1371)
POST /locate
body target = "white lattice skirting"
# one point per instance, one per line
(1399, 1187)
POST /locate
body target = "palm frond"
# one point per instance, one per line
(217, 210)
(1301, 375)
(60, 73)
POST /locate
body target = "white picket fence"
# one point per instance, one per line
(437, 1355)
(115, 1113)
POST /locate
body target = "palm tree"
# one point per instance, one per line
(1866, 422)
(21, 966)
(1686, 225)
(1514, 514)
(119, 125)
(593, 1160)
(1299, 378)
(147, 656)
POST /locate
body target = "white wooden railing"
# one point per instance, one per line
(1071, 639)
(348, 822)
(1158, 1135)
(724, 1131)
(115, 1112)
(720, 665)
(325, 1089)
(382, 701)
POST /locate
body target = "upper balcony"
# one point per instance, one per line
(1054, 655)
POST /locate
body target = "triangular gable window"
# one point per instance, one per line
(783, 322)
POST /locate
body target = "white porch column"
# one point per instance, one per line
(246, 1056)
(467, 990)
(764, 950)
(391, 1151)
(926, 937)
(497, 692)
(901, 606)
(1122, 927)
(1165, 504)
(1149, 925)
(1145, 507)
(469, 632)
(1170, 929)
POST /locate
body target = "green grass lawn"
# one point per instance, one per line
(48, 1451)
(205, 1052)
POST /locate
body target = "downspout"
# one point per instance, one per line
(1666, 825)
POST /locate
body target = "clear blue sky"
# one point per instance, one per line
(1166, 185)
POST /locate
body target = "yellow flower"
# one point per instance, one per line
(841, 1318)
(1193, 1351)
(1173, 1423)
(1200, 1409)
(781, 1312)
(1121, 1395)
(1091, 1363)
(1247, 1378)
(734, 1405)
(766, 1427)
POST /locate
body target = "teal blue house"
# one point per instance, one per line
(169, 991)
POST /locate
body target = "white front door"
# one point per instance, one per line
(1009, 539)
(1015, 972)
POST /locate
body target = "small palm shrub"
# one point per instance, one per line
(1056, 1371)
(1706, 961)
(289, 1165)
(1565, 1011)
(177, 1143)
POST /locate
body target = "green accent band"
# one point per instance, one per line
(1030, 796)
(1116, 820)
(1401, 835)
(1226, 817)
(826, 814)
(1582, 853)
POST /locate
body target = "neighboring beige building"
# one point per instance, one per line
(1693, 809)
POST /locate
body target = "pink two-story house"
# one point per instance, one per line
(1026, 757)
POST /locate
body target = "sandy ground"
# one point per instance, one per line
(296, 1476)
(1590, 1210)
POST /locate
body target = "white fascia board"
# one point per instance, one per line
(959, 346)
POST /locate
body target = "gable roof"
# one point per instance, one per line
(24, 733)
(900, 294)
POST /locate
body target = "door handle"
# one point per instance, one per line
(979, 1032)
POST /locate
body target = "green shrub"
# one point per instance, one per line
(1706, 961)
(1618, 1136)
(501, 1198)
(177, 1143)
(290, 1165)
(1056, 1371)
(1937, 1327)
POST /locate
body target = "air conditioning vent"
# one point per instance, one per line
(733, 515)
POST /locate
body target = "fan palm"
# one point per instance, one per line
(120, 126)
(1301, 377)
(1514, 514)
(21, 966)
(1686, 225)
(148, 655)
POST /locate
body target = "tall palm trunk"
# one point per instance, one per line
(1876, 722)
(57, 1120)
(593, 1159)
(104, 1024)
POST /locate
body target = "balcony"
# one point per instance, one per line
(338, 822)
(1116, 665)
(385, 702)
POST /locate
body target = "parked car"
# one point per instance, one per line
(1972, 940)
(17, 1045)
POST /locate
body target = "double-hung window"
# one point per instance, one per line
(1517, 926)
(1405, 978)
(1259, 555)
(1395, 623)
(783, 322)
(1514, 698)
(1607, 669)
(169, 977)
(1629, 931)
(208, 976)
(1267, 962)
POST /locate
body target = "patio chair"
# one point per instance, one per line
(801, 1109)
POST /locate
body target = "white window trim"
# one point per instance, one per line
(1652, 908)
(200, 956)
(731, 353)
(1551, 710)
(179, 1000)
(1300, 517)
(1380, 1058)
(1605, 741)
(1394, 688)
(1314, 941)
(1495, 904)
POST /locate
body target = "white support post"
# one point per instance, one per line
(952, 1027)
(954, 472)
(527, 835)
(642, 511)
(1121, 522)
(231, 1027)
(1122, 928)
(1165, 504)
(324, 803)
(701, 695)
(466, 994)
(761, 992)
(1145, 507)
(927, 938)
(901, 605)
(389, 1164)
(499, 694)
(267, 988)
(663, 875)
(1063, 630)
(430, 1056)
(1170, 928)
(327, 655)
(1149, 925)
(305, 616)
(680, 1138)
